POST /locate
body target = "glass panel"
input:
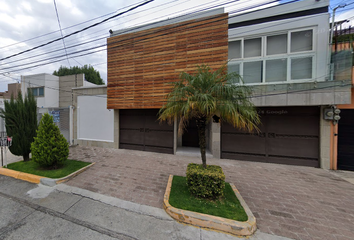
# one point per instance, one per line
(276, 70)
(301, 41)
(235, 49)
(277, 44)
(34, 91)
(301, 68)
(41, 91)
(253, 47)
(234, 68)
(252, 72)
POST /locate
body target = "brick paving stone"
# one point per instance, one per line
(291, 201)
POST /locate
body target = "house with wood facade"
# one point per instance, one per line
(282, 51)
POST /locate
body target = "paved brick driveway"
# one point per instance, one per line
(290, 201)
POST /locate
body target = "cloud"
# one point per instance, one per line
(22, 20)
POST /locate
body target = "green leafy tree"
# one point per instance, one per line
(50, 148)
(91, 75)
(206, 93)
(21, 123)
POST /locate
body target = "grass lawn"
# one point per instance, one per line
(31, 167)
(228, 207)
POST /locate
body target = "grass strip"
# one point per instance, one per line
(227, 207)
(31, 167)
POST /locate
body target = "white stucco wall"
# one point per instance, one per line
(319, 24)
(94, 120)
(51, 88)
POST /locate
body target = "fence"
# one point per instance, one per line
(61, 117)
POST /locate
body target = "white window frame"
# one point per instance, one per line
(288, 55)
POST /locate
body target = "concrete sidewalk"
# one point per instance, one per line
(30, 211)
(290, 201)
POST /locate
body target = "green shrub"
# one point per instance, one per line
(49, 149)
(205, 183)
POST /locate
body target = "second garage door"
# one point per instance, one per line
(287, 136)
(140, 130)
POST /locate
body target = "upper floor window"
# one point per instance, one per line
(281, 57)
(37, 92)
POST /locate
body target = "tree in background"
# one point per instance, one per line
(50, 148)
(21, 123)
(91, 75)
(207, 93)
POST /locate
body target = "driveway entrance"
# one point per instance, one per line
(290, 201)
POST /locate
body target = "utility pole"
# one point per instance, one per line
(330, 73)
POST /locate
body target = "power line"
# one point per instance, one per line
(197, 11)
(98, 50)
(76, 45)
(46, 34)
(253, 96)
(76, 32)
(163, 30)
(127, 30)
(61, 32)
(200, 10)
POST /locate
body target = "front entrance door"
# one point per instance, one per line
(190, 137)
(346, 140)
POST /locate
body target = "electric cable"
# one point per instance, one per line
(113, 43)
(61, 32)
(76, 32)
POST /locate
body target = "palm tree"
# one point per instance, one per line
(206, 93)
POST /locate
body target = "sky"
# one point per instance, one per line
(27, 24)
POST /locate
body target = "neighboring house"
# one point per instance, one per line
(342, 134)
(282, 51)
(12, 90)
(54, 95)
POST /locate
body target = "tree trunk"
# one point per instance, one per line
(26, 157)
(201, 124)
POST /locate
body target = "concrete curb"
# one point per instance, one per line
(39, 179)
(20, 175)
(51, 182)
(212, 222)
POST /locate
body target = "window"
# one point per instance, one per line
(301, 41)
(281, 57)
(277, 44)
(276, 70)
(252, 72)
(301, 68)
(253, 47)
(235, 49)
(37, 92)
(234, 67)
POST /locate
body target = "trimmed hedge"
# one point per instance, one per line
(205, 183)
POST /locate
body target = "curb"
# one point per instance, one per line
(212, 222)
(39, 179)
(20, 175)
(51, 182)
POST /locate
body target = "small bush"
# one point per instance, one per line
(49, 149)
(205, 183)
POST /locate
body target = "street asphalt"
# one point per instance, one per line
(31, 211)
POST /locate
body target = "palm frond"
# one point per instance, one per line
(205, 93)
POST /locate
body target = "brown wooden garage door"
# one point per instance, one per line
(140, 130)
(346, 140)
(288, 136)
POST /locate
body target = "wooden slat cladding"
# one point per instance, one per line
(141, 64)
